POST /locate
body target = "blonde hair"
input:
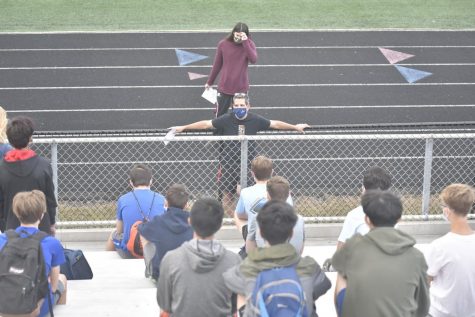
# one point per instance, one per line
(29, 207)
(459, 198)
(3, 125)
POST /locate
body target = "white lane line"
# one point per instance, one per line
(214, 47)
(264, 85)
(209, 66)
(255, 108)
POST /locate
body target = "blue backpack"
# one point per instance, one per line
(278, 293)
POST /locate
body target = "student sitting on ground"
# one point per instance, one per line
(381, 273)
(29, 208)
(278, 188)
(191, 281)
(166, 232)
(451, 258)
(276, 221)
(138, 204)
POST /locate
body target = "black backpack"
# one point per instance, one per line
(23, 280)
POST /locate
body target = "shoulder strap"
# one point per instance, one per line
(140, 208)
(11, 234)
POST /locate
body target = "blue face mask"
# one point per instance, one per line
(240, 113)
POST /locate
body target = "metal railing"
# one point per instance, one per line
(325, 170)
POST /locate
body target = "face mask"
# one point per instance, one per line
(240, 113)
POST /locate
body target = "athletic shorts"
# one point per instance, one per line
(116, 239)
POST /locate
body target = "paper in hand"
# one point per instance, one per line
(169, 136)
(211, 95)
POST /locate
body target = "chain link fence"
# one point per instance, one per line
(325, 171)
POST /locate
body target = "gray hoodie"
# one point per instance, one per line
(191, 280)
(386, 275)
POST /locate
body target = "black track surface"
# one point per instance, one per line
(91, 83)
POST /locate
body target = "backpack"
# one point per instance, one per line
(76, 266)
(134, 245)
(23, 280)
(278, 293)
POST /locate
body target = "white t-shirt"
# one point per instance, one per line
(451, 261)
(253, 196)
(354, 223)
(297, 239)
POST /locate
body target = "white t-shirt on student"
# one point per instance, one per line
(451, 261)
(354, 223)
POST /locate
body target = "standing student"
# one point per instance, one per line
(233, 55)
(23, 170)
(230, 151)
(451, 258)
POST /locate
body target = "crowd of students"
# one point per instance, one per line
(379, 271)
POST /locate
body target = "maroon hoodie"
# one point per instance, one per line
(231, 63)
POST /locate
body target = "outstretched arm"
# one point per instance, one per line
(200, 125)
(281, 125)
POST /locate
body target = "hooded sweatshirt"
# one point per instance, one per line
(191, 281)
(167, 232)
(386, 275)
(23, 170)
(241, 279)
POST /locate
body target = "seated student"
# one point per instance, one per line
(381, 273)
(451, 258)
(191, 282)
(30, 207)
(276, 221)
(278, 188)
(254, 197)
(166, 232)
(136, 205)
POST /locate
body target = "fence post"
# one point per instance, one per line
(427, 177)
(54, 166)
(244, 155)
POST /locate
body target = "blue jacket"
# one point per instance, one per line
(167, 232)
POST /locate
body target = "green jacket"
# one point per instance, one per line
(386, 276)
(242, 278)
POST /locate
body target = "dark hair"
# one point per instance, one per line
(177, 196)
(382, 207)
(206, 217)
(29, 207)
(261, 166)
(19, 131)
(241, 95)
(276, 221)
(239, 27)
(376, 178)
(278, 188)
(140, 175)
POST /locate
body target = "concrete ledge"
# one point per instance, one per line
(323, 232)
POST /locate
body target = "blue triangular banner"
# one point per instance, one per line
(185, 57)
(412, 75)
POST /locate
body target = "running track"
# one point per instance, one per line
(103, 81)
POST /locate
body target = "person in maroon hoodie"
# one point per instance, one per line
(233, 55)
(23, 170)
